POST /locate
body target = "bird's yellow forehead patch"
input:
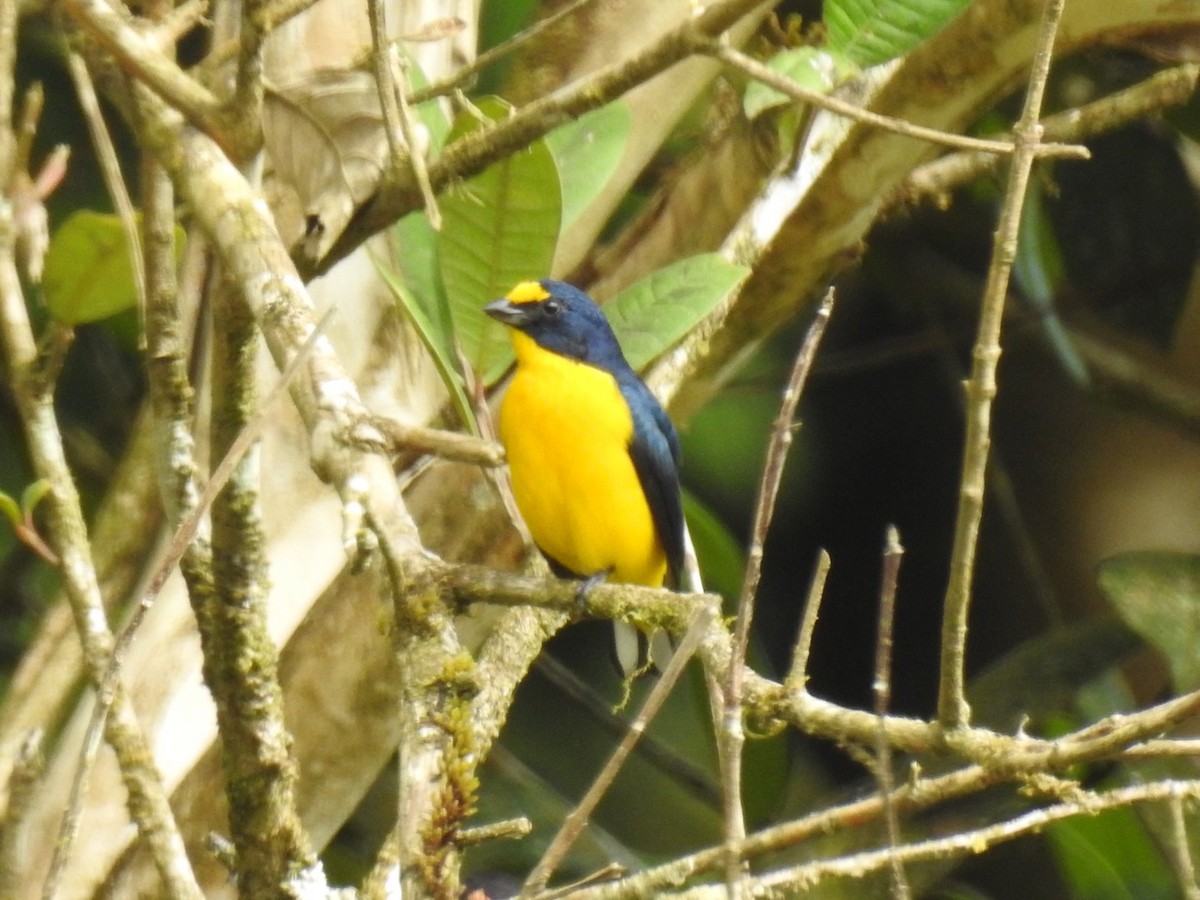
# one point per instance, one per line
(527, 292)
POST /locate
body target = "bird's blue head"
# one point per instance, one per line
(561, 318)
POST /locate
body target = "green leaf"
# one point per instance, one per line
(33, 495)
(499, 228)
(1110, 856)
(1157, 593)
(873, 31)
(431, 112)
(810, 67)
(587, 152)
(430, 319)
(719, 553)
(89, 275)
(657, 311)
(10, 509)
(1039, 270)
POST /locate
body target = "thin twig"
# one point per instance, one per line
(68, 829)
(184, 534)
(23, 783)
(756, 70)
(981, 387)
(67, 535)
(477, 150)
(577, 819)
(188, 528)
(1181, 854)
(114, 181)
(401, 439)
(882, 689)
(468, 72)
(732, 736)
(416, 150)
(385, 83)
(797, 677)
(784, 882)
(1170, 87)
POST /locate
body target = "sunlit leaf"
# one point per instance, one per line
(1158, 594)
(586, 152)
(810, 67)
(89, 273)
(874, 31)
(498, 228)
(657, 311)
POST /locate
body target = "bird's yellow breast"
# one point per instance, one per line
(567, 430)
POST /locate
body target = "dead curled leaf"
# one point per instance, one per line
(324, 134)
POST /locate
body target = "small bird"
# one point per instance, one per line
(593, 456)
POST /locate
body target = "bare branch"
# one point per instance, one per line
(577, 820)
(1171, 87)
(981, 387)
(141, 56)
(882, 689)
(784, 85)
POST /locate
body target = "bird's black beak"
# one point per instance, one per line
(507, 312)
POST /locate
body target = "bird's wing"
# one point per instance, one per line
(654, 449)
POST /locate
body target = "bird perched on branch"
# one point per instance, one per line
(593, 456)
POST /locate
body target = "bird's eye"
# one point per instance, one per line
(552, 307)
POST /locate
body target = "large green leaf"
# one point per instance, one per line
(657, 311)
(587, 152)
(1158, 594)
(873, 31)
(89, 273)
(498, 228)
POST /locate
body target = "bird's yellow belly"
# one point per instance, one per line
(567, 430)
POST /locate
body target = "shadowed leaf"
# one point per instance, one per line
(1158, 594)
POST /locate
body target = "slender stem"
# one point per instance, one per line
(797, 678)
(732, 738)
(892, 554)
(68, 537)
(110, 168)
(953, 711)
(138, 53)
(468, 72)
(1181, 852)
(577, 819)
(756, 70)
(1170, 87)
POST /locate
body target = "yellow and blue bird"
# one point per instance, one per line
(593, 456)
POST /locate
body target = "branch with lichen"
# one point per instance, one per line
(66, 532)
